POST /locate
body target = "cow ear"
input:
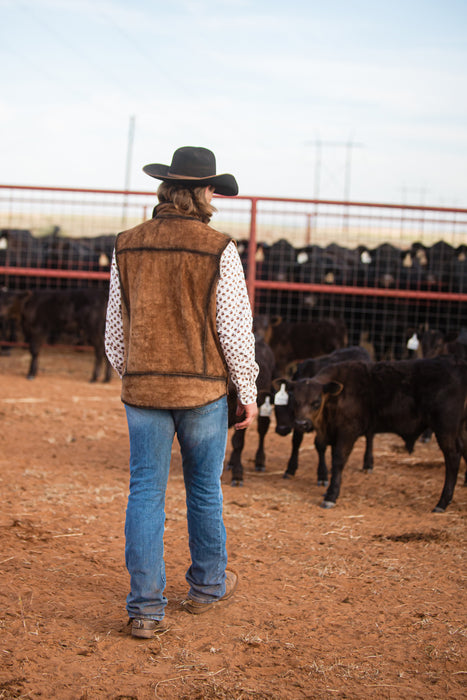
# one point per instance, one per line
(333, 388)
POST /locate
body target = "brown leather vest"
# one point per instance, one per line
(169, 269)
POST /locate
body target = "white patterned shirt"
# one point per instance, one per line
(233, 320)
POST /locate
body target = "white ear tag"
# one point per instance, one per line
(282, 397)
(413, 343)
(265, 409)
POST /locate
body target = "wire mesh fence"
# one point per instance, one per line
(387, 270)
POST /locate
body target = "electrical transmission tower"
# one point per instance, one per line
(318, 146)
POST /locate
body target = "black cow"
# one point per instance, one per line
(345, 401)
(19, 248)
(67, 315)
(285, 415)
(278, 261)
(265, 360)
(434, 342)
(84, 253)
(11, 304)
(293, 342)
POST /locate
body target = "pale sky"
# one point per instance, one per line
(260, 82)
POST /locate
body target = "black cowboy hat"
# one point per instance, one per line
(193, 165)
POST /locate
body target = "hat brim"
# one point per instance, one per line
(224, 184)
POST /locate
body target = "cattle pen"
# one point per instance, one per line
(364, 601)
(388, 270)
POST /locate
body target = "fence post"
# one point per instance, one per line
(251, 271)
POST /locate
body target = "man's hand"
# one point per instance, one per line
(250, 411)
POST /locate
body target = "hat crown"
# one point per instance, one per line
(190, 161)
(194, 166)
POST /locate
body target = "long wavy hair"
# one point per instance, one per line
(189, 201)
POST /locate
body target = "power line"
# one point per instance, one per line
(138, 48)
(65, 41)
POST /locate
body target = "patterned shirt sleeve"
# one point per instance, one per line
(234, 325)
(114, 347)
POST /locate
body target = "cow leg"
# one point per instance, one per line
(463, 447)
(340, 454)
(368, 456)
(452, 458)
(95, 370)
(292, 466)
(34, 347)
(235, 461)
(108, 370)
(99, 355)
(322, 468)
(263, 427)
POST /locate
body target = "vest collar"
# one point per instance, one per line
(168, 209)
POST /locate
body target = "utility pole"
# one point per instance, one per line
(129, 155)
(129, 152)
(348, 165)
(318, 145)
(420, 190)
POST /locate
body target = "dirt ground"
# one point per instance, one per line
(366, 600)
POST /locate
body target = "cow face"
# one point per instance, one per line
(284, 418)
(310, 397)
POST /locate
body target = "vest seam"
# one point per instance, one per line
(187, 375)
(170, 408)
(207, 302)
(167, 250)
(216, 279)
(174, 216)
(122, 289)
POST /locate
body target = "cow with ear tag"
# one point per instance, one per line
(284, 409)
(285, 417)
(403, 397)
(265, 360)
(322, 404)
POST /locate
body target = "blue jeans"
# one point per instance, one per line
(202, 435)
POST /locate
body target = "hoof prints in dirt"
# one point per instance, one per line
(12, 688)
(432, 536)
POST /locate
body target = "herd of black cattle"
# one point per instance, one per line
(439, 267)
(368, 288)
(314, 373)
(20, 248)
